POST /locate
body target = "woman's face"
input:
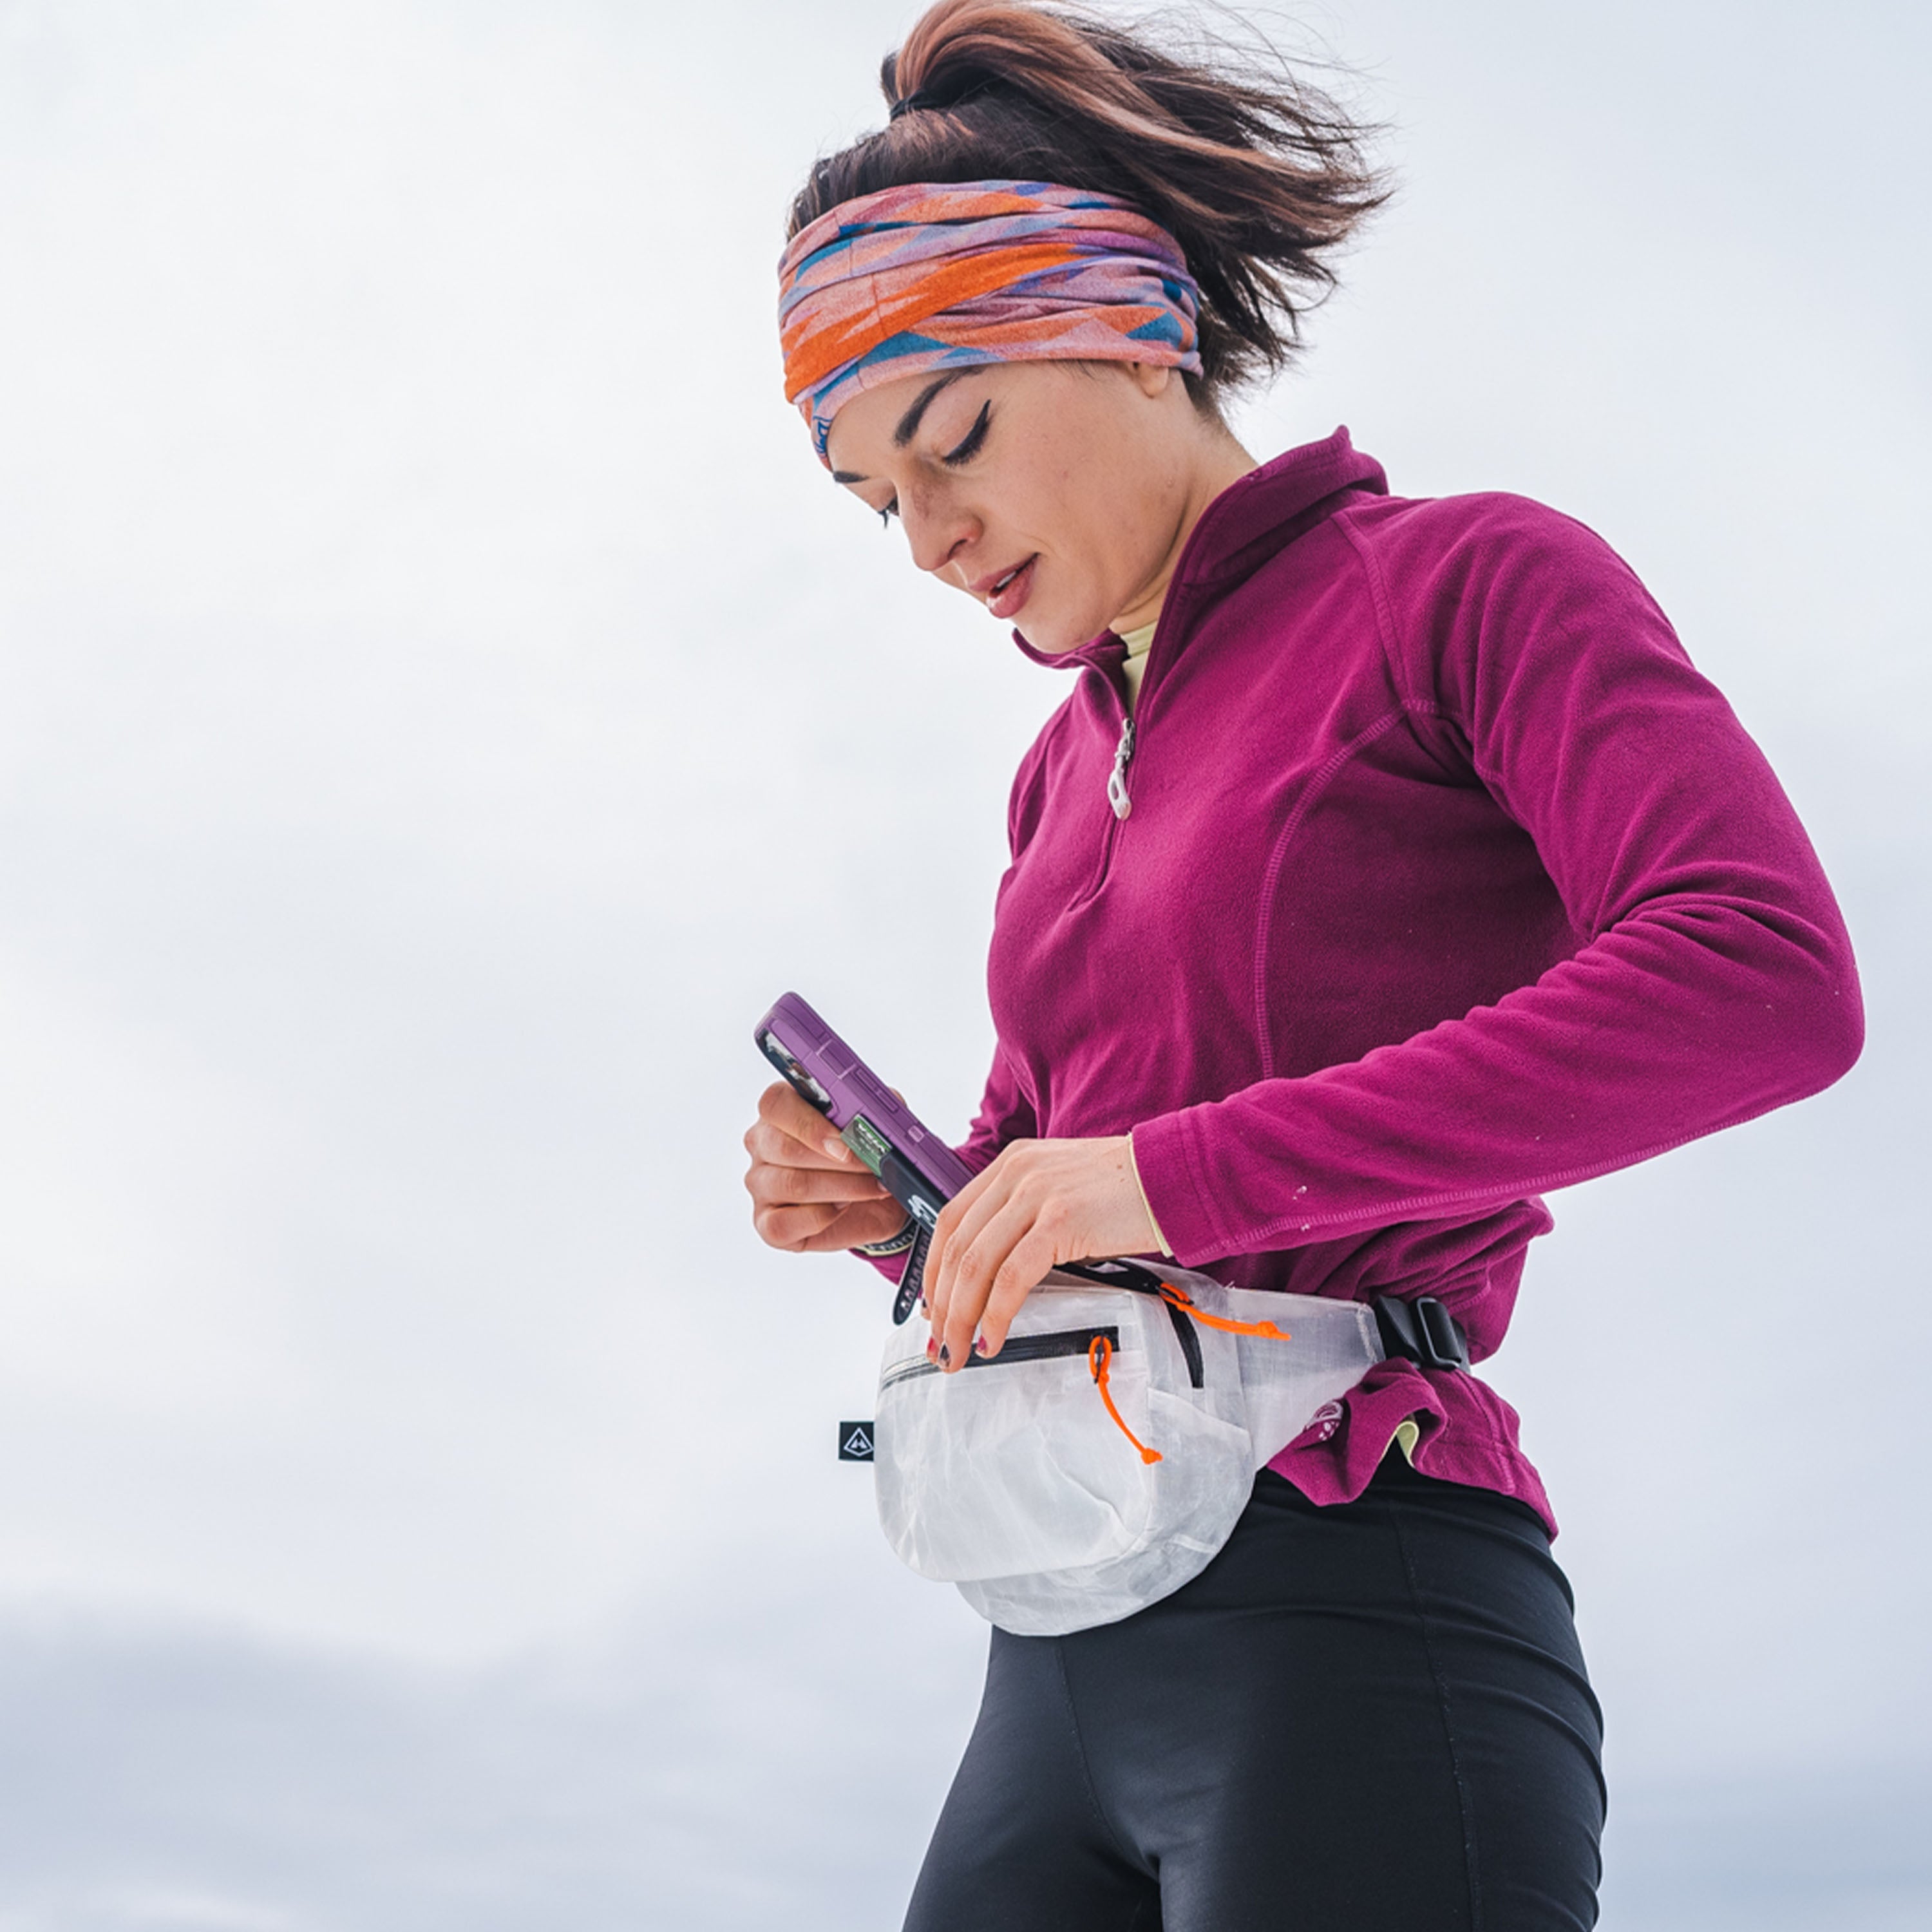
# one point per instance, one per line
(1058, 494)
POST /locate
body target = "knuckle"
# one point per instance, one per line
(800, 1225)
(792, 1225)
(1006, 1303)
(1012, 1284)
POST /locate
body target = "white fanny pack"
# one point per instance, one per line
(1100, 1460)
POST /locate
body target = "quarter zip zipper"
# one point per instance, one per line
(1119, 803)
(1119, 800)
(1116, 779)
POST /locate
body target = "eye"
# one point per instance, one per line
(891, 511)
(968, 446)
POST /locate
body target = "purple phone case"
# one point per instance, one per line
(852, 1087)
(847, 1088)
(918, 1169)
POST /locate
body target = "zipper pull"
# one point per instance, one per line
(1116, 779)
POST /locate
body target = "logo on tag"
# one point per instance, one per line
(1322, 1424)
(855, 1442)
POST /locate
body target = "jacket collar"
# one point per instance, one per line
(1255, 517)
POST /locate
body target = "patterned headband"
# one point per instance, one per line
(944, 276)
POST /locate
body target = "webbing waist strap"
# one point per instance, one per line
(1421, 1331)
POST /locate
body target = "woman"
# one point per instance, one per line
(1388, 863)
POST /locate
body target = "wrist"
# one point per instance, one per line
(1146, 1206)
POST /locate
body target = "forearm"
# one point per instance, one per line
(1691, 1017)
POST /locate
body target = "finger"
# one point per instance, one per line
(773, 1184)
(1001, 1253)
(795, 1226)
(959, 1220)
(979, 1246)
(765, 1140)
(967, 1206)
(782, 1106)
(805, 1227)
(1022, 1271)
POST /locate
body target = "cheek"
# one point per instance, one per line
(1046, 476)
(1091, 539)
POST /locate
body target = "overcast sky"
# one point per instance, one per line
(442, 702)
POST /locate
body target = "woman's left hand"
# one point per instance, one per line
(1038, 1204)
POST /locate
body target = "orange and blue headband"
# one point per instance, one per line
(944, 276)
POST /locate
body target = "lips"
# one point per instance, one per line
(1005, 595)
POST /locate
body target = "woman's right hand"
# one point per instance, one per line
(809, 1192)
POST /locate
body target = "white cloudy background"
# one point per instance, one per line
(442, 702)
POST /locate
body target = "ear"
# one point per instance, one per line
(1152, 378)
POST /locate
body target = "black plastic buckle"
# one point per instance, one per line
(1422, 1331)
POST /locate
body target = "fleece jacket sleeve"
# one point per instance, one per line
(1716, 980)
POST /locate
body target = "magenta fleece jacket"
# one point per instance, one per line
(1447, 879)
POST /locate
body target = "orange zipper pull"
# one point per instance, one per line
(1178, 1297)
(1099, 1352)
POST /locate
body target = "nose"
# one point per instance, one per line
(937, 526)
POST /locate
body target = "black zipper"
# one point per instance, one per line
(1138, 1280)
(1042, 1347)
(1190, 1343)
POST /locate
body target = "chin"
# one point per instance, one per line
(1044, 634)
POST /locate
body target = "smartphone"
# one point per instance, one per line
(917, 1168)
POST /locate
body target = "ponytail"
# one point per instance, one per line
(1258, 176)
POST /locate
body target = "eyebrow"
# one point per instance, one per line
(908, 427)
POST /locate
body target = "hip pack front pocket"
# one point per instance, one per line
(1001, 1468)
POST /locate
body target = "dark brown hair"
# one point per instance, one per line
(1259, 175)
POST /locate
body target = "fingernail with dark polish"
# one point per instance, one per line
(945, 1353)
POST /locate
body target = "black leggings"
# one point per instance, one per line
(1371, 1716)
